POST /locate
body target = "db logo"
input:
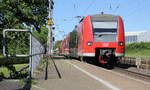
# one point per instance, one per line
(105, 44)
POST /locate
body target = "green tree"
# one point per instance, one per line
(42, 36)
(57, 44)
(20, 14)
(25, 12)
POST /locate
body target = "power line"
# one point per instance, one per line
(110, 5)
(136, 10)
(90, 5)
(115, 7)
(74, 7)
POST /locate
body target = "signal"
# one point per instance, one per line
(50, 22)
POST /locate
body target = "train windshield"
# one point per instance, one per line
(105, 31)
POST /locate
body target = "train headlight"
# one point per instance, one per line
(89, 43)
(120, 43)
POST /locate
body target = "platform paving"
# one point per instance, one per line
(71, 79)
(76, 75)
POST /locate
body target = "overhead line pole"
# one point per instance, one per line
(49, 29)
(50, 40)
(50, 37)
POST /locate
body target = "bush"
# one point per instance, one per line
(141, 45)
(13, 60)
(141, 49)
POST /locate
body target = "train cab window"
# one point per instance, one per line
(105, 27)
(105, 31)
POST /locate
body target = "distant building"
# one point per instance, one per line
(142, 36)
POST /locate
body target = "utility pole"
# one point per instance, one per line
(50, 23)
(50, 36)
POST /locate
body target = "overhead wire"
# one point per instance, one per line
(110, 6)
(74, 7)
(114, 6)
(89, 6)
(74, 4)
(136, 10)
(117, 6)
(70, 19)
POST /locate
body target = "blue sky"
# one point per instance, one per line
(135, 13)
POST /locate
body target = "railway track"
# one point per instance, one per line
(133, 74)
(123, 68)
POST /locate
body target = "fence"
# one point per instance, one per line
(22, 43)
(143, 63)
(37, 51)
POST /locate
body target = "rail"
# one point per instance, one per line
(134, 74)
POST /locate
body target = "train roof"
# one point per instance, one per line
(104, 17)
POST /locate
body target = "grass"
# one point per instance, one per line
(6, 72)
(1, 56)
(19, 66)
(138, 53)
(138, 50)
(41, 65)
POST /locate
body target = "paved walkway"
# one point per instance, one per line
(76, 75)
(71, 79)
(11, 85)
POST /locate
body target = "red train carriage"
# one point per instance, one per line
(100, 37)
(65, 46)
(61, 48)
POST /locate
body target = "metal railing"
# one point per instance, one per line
(22, 43)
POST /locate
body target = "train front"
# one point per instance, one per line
(108, 38)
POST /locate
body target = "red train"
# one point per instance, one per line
(65, 46)
(97, 37)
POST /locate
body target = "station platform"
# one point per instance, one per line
(76, 75)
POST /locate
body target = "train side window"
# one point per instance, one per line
(73, 38)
